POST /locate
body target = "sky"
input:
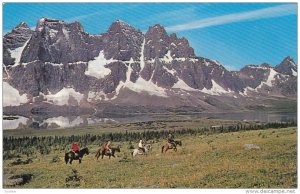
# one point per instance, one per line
(235, 34)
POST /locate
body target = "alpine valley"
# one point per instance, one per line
(60, 69)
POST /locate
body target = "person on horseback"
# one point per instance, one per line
(107, 147)
(141, 147)
(171, 140)
(75, 148)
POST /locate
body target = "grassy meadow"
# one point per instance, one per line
(203, 161)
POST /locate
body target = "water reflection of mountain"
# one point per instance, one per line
(53, 123)
(21, 122)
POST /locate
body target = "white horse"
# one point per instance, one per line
(137, 151)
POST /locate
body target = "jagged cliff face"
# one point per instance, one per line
(60, 64)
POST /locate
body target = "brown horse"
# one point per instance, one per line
(173, 146)
(102, 152)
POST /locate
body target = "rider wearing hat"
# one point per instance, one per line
(141, 147)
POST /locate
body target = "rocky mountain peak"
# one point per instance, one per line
(180, 47)
(266, 65)
(157, 30)
(122, 42)
(47, 22)
(173, 36)
(57, 42)
(22, 25)
(77, 25)
(13, 40)
(60, 64)
(120, 26)
(21, 29)
(157, 42)
(288, 61)
(287, 66)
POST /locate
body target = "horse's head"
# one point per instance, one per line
(148, 147)
(179, 143)
(118, 148)
(86, 151)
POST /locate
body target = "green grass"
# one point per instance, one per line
(213, 161)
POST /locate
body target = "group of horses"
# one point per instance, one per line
(70, 156)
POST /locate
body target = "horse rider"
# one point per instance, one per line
(141, 147)
(107, 147)
(171, 140)
(75, 148)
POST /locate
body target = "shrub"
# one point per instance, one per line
(73, 180)
(10, 154)
(44, 150)
(55, 159)
(20, 162)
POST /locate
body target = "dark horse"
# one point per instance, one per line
(70, 156)
(101, 152)
(171, 146)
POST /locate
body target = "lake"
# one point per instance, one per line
(21, 122)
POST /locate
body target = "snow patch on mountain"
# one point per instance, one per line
(167, 58)
(140, 86)
(182, 85)
(172, 71)
(8, 76)
(149, 87)
(271, 77)
(129, 70)
(180, 59)
(292, 62)
(193, 60)
(217, 62)
(246, 90)
(142, 59)
(127, 81)
(269, 80)
(216, 89)
(17, 53)
(53, 33)
(63, 96)
(294, 73)
(77, 63)
(97, 69)
(66, 33)
(54, 64)
(11, 96)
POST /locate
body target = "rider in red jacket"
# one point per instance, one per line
(75, 148)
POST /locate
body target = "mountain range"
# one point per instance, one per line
(60, 67)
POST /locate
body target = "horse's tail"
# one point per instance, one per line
(162, 149)
(66, 157)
